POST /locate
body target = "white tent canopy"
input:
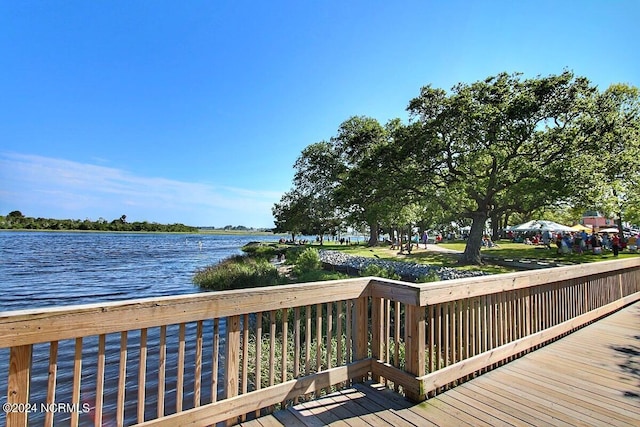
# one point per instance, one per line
(540, 225)
(608, 230)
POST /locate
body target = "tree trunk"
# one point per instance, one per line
(471, 253)
(495, 226)
(374, 237)
(620, 226)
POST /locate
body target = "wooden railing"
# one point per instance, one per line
(227, 356)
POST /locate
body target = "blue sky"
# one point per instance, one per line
(194, 112)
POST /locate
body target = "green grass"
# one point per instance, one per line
(509, 250)
(505, 250)
(420, 256)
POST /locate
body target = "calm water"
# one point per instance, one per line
(39, 269)
(53, 269)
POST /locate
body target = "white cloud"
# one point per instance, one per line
(52, 187)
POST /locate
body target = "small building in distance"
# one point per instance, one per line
(596, 220)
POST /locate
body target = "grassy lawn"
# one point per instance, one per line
(506, 250)
(417, 256)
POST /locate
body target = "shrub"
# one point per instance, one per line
(319, 276)
(432, 276)
(308, 260)
(237, 272)
(262, 250)
(378, 271)
(292, 253)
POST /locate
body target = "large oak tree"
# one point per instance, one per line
(489, 144)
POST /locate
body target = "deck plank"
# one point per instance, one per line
(592, 407)
(395, 403)
(345, 405)
(481, 407)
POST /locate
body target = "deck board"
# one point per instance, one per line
(588, 378)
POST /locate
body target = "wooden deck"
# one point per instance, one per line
(589, 378)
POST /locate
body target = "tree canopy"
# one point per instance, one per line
(486, 150)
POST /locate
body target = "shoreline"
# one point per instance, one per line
(199, 231)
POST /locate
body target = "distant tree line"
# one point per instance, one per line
(236, 228)
(17, 221)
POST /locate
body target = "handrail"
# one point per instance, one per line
(23, 327)
(231, 355)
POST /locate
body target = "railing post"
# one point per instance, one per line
(377, 330)
(415, 347)
(361, 329)
(19, 379)
(232, 360)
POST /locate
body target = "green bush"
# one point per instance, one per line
(237, 272)
(262, 250)
(432, 276)
(308, 260)
(319, 276)
(293, 253)
(378, 271)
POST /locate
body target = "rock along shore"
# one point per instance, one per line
(406, 270)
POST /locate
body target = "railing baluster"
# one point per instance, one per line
(285, 343)
(245, 358)
(51, 382)
(122, 379)
(259, 350)
(318, 337)
(162, 366)
(272, 347)
(491, 322)
(432, 337)
(307, 349)
(449, 330)
(296, 349)
(215, 358)
(470, 332)
(395, 351)
(180, 368)
(339, 333)
(387, 331)
(245, 353)
(460, 344)
(285, 349)
(142, 374)
(77, 378)
(197, 381)
(100, 380)
(439, 340)
(349, 333)
(258, 354)
(502, 319)
(329, 334)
